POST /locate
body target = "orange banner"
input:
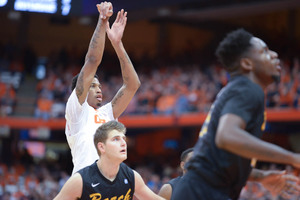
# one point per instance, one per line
(145, 121)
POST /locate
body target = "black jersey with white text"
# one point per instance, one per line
(220, 168)
(97, 187)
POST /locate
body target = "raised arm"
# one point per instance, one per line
(131, 82)
(231, 136)
(142, 191)
(72, 189)
(94, 53)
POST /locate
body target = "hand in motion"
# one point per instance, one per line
(115, 33)
(105, 9)
(281, 183)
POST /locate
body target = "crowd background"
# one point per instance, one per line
(182, 77)
(170, 87)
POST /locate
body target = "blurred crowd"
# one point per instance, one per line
(172, 86)
(37, 182)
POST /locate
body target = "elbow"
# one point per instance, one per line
(134, 86)
(220, 140)
(138, 84)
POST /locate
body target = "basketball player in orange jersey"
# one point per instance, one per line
(84, 111)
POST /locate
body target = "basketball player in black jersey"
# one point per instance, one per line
(166, 190)
(230, 135)
(108, 178)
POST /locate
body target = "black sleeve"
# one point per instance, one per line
(243, 104)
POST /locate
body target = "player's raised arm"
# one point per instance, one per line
(95, 52)
(131, 81)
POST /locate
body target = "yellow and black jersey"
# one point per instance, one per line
(97, 187)
(219, 168)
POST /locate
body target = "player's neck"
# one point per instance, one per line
(108, 169)
(263, 83)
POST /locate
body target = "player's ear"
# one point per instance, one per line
(100, 147)
(246, 64)
(182, 165)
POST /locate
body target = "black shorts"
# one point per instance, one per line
(192, 187)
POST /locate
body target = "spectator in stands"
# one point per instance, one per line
(57, 109)
(2, 89)
(154, 182)
(6, 196)
(59, 92)
(272, 97)
(146, 100)
(182, 103)
(84, 110)
(44, 105)
(286, 95)
(7, 100)
(166, 102)
(31, 181)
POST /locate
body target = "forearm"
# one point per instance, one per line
(129, 75)
(249, 146)
(240, 142)
(246, 145)
(231, 136)
(92, 61)
(97, 43)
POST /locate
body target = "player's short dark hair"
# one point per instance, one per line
(232, 48)
(185, 153)
(102, 131)
(74, 81)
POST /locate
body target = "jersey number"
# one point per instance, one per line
(98, 120)
(206, 122)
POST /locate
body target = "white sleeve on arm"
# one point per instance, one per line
(73, 108)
